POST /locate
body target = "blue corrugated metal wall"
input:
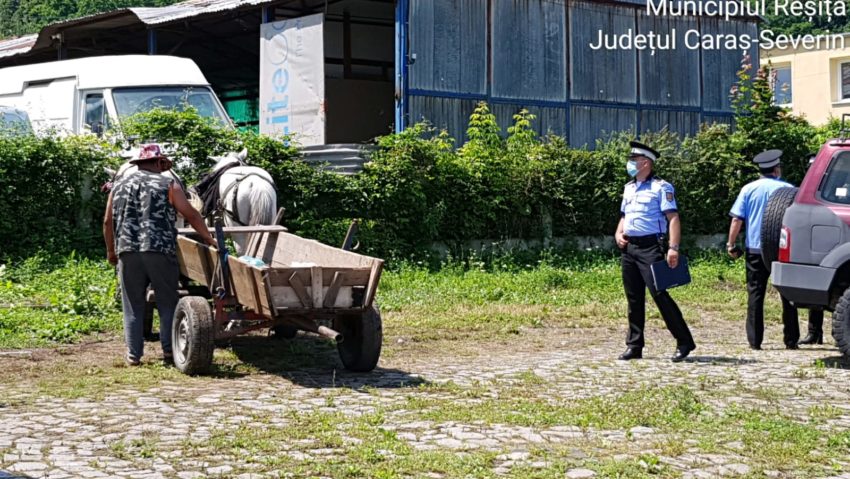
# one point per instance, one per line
(534, 54)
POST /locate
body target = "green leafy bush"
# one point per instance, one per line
(417, 188)
(49, 194)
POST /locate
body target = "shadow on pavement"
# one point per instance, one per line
(724, 360)
(310, 361)
(836, 362)
(12, 475)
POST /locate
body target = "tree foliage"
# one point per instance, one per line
(19, 17)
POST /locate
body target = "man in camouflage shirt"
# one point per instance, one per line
(141, 239)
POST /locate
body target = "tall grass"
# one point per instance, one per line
(47, 300)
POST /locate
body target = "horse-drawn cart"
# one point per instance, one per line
(301, 285)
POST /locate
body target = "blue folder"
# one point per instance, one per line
(665, 278)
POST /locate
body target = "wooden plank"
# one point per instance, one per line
(254, 248)
(261, 279)
(286, 297)
(289, 249)
(316, 286)
(353, 276)
(254, 243)
(244, 284)
(270, 248)
(299, 289)
(193, 258)
(333, 290)
(377, 268)
(228, 230)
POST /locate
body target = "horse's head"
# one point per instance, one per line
(230, 157)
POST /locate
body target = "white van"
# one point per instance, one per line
(14, 122)
(91, 94)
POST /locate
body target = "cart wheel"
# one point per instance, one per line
(284, 331)
(362, 337)
(193, 335)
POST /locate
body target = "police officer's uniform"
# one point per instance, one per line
(749, 207)
(644, 208)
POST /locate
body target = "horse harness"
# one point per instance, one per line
(232, 211)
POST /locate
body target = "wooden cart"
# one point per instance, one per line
(303, 285)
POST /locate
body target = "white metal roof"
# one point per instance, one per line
(107, 71)
(147, 16)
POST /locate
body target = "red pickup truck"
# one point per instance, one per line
(806, 238)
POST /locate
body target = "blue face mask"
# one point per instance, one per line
(631, 168)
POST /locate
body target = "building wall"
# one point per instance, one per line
(815, 81)
(534, 54)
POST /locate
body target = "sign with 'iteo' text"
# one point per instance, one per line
(292, 79)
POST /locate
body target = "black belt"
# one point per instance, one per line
(647, 240)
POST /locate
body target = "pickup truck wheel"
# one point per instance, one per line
(841, 324)
(771, 223)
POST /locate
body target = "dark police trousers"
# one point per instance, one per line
(757, 276)
(637, 276)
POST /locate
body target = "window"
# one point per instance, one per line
(782, 85)
(95, 113)
(844, 81)
(836, 185)
(129, 101)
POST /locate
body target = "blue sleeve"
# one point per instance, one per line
(668, 198)
(739, 209)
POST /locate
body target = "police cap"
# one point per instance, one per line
(639, 149)
(768, 159)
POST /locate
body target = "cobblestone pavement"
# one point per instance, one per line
(154, 432)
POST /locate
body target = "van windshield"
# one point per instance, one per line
(129, 101)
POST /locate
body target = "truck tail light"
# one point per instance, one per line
(785, 245)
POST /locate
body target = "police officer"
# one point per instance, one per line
(748, 211)
(648, 205)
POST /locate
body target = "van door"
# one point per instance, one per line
(50, 104)
(94, 116)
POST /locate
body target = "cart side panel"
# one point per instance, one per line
(294, 287)
(261, 279)
(244, 284)
(352, 276)
(374, 279)
(289, 250)
(195, 260)
(286, 297)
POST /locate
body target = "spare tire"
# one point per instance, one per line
(771, 223)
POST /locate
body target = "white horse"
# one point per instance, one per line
(248, 195)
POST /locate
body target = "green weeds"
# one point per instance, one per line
(47, 300)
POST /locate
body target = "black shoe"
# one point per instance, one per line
(151, 337)
(755, 348)
(811, 338)
(631, 353)
(681, 353)
(792, 346)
